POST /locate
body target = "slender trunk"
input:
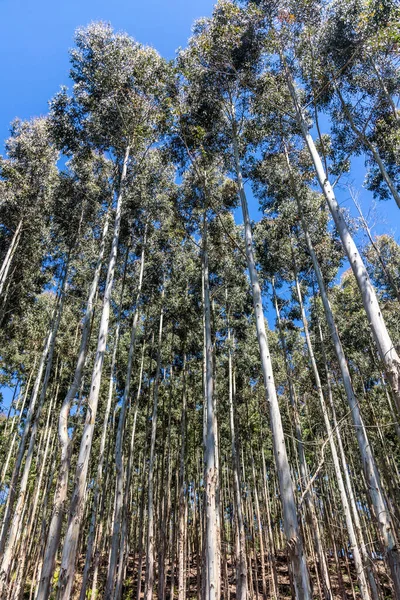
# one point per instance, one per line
(12, 538)
(181, 533)
(99, 475)
(312, 518)
(17, 419)
(100, 465)
(77, 504)
(360, 568)
(291, 526)
(368, 461)
(149, 584)
(386, 348)
(271, 545)
(119, 486)
(60, 495)
(241, 561)
(24, 437)
(9, 256)
(124, 518)
(386, 93)
(212, 553)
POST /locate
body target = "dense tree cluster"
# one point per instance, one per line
(163, 439)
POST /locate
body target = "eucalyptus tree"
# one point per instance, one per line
(115, 109)
(28, 175)
(78, 193)
(286, 28)
(154, 187)
(89, 187)
(221, 64)
(135, 335)
(230, 285)
(292, 266)
(355, 74)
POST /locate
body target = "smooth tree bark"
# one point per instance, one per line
(368, 562)
(150, 545)
(212, 538)
(119, 487)
(371, 472)
(5, 267)
(384, 343)
(125, 508)
(299, 569)
(241, 559)
(60, 495)
(26, 430)
(181, 501)
(20, 507)
(307, 490)
(68, 560)
(355, 549)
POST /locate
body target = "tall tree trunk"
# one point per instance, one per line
(5, 267)
(26, 430)
(17, 420)
(125, 508)
(368, 461)
(360, 567)
(181, 518)
(149, 583)
(291, 526)
(312, 518)
(60, 495)
(68, 559)
(12, 538)
(119, 487)
(241, 560)
(386, 348)
(212, 553)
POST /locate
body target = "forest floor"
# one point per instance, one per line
(344, 583)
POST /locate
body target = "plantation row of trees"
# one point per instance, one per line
(163, 439)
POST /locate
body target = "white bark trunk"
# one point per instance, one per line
(5, 267)
(12, 538)
(212, 553)
(368, 461)
(119, 486)
(60, 495)
(297, 557)
(67, 570)
(386, 348)
(149, 583)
